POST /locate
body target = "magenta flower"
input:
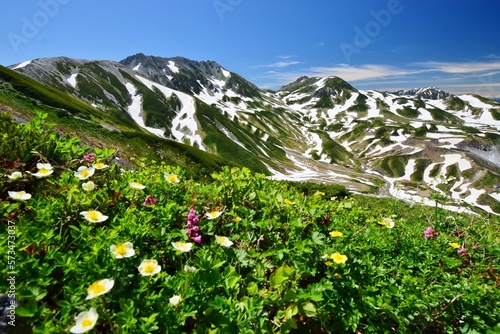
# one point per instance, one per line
(192, 227)
(89, 157)
(150, 200)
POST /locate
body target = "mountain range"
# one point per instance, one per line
(410, 144)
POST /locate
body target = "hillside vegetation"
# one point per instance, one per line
(150, 249)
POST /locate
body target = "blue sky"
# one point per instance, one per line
(377, 44)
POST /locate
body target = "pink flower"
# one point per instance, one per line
(463, 251)
(430, 233)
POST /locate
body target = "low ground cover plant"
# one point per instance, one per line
(102, 249)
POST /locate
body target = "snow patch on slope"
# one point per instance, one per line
(135, 110)
(171, 65)
(21, 65)
(72, 80)
(184, 125)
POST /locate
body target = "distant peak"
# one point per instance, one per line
(429, 92)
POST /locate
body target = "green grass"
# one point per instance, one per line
(360, 106)
(455, 103)
(408, 112)
(420, 166)
(394, 166)
(441, 115)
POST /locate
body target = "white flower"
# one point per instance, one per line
(137, 185)
(387, 222)
(171, 178)
(44, 170)
(149, 268)
(175, 300)
(189, 269)
(19, 195)
(213, 214)
(99, 288)
(84, 172)
(15, 175)
(121, 250)
(88, 186)
(85, 321)
(94, 216)
(224, 241)
(182, 246)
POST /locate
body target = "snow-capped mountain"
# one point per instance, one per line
(430, 93)
(407, 144)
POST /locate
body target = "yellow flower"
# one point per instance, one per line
(94, 216)
(137, 185)
(237, 219)
(288, 202)
(337, 275)
(84, 172)
(149, 267)
(338, 258)
(122, 249)
(454, 245)
(88, 186)
(19, 195)
(224, 241)
(85, 321)
(182, 246)
(213, 214)
(387, 222)
(100, 165)
(334, 234)
(171, 178)
(99, 288)
(44, 170)
(328, 263)
(319, 193)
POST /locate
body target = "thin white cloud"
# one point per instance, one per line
(492, 56)
(286, 56)
(280, 64)
(459, 67)
(362, 72)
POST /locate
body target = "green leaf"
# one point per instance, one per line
(231, 277)
(291, 310)
(280, 276)
(252, 288)
(308, 309)
(26, 311)
(289, 295)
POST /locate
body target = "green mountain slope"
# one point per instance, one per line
(24, 97)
